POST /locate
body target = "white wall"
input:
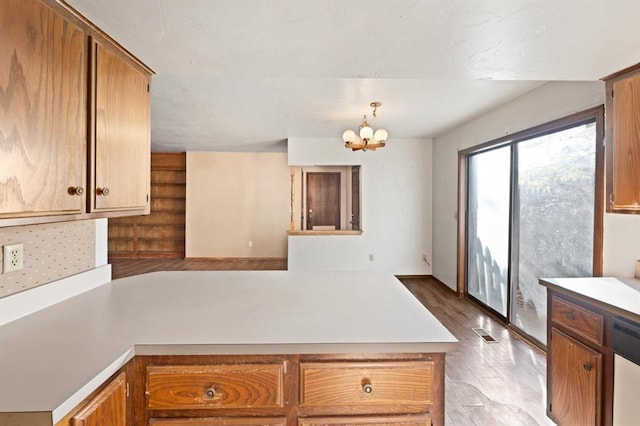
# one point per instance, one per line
(237, 204)
(548, 102)
(396, 208)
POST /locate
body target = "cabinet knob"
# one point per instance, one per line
(586, 366)
(75, 190)
(570, 316)
(103, 191)
(211, 392)
(367, 388)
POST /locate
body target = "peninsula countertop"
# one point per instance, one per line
(52, 359)
(618, 295)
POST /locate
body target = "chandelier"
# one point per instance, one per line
(366, 138)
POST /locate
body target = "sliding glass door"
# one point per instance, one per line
(553, 219)
(488, 228)
(531, 206)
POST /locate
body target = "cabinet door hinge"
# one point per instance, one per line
(147, 198)
(550, 407)
(148, 88)
(612, 93)
(126, 390)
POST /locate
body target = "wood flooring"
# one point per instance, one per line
(126, 267)
(486, 384)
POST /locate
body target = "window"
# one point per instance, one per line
(325, 199)
(534, 209)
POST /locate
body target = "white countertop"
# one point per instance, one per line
(54, 358)
(619, 295)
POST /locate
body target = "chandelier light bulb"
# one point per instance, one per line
(381, 135)
(366, 132)
(349, 136)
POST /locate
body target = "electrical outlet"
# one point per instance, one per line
(13, 257)
(371, 258)
(250, 243)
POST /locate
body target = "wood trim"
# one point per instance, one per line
(414, 277)
(622, 73)
(316, 233)
(599, 196)
(462, 224)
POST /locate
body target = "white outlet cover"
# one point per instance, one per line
(13, 257)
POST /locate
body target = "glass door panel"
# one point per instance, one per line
(488, 227)
(553, 219)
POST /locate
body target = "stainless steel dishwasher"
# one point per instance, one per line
(625, 343)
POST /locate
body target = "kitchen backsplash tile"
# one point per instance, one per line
(52, 251)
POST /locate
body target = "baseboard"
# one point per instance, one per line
(279, 259)
(446, 287)
(413, 277)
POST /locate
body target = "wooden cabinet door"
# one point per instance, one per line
(109, 407)
(626, 143)
(122, 133)
(43, 92)
(576, 380)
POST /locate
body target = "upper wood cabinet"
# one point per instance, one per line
(623, 141)
(122, 133)
(74, 118)
(43, 111)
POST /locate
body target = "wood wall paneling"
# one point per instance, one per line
(161, 233)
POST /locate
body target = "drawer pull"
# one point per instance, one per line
(211, 392)
(103, 191)
(367, 388)
(570, 316)
(75, 190)
(586, 366)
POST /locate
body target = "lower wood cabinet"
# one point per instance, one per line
(221, 421)
(305, 390)
(365, 387)
(418, 420)
(108, 407)
(576, 380)
(225, 386)
(576, 355)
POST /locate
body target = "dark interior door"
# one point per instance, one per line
(323, 199)
(355, 198)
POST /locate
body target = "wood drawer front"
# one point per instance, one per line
(221, 421)
(416, 420)
(343, 384)
(578, 320)
(234, 386)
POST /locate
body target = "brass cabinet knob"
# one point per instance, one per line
(211, 392)
(75, 190)
(586, 366)
(103, 191)
(367, 388)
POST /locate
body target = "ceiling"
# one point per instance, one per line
(245, 75)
